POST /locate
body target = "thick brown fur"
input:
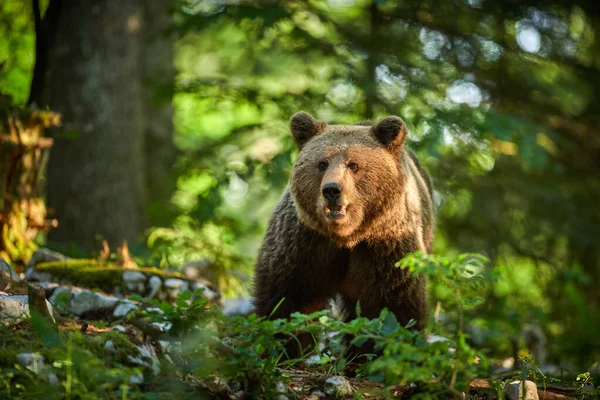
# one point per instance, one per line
(307, 256)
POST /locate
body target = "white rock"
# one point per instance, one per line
(135, 281)
(109, 348)
(208, 292)
(136, 379)
(34, 275)
(175, 286)
(60, 300)
(9, 271)
(155, 310)
(119, 328)
(31, 361)
(318, 393)
(85, 301)
(155, 284)
(281, 389)
(239, 306)
(146, 358)
(165, 346)
(435, 338)
(514, 390)
(15, 308)
(338, 386)
(42, 255)
(163, 326)
(49, 287)
(45, 255)
(124, 308)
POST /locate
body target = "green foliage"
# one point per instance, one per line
(506, 131)
(228, 356)
(16, 49)
(75, 367)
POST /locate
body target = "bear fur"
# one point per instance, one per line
(358, 201)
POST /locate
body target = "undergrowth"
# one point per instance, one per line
(211, 355)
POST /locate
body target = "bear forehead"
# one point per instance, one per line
(341, 138)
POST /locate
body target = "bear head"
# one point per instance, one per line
(347, 180)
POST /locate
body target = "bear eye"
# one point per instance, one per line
(323, 166)
(353, 166)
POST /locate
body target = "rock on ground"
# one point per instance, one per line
(338, 386)
(85, 301)
(135, 281)
(32, 361)
(124, 308)
(15, 308)
(9, 271)
(514, 390)
(240, 306)
(42, 255)
(175, 286)
(155, 284)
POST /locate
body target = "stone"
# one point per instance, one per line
(281, 389)
(165, 346)
(175, 286)
(435, 338)
(135, 281)
(15, 308)
(240, 306)
(45, 255)
(31, 361)
(146, 358)
(49, 287)
(9, 271)
(34, 275)
(208, 292)
(61, 297)
(318, 393)
(85, 301)
(136, 379)
(120, 328)
(338, 386)
(155, 284)
(109, 348)
(124, 308)
(514, 390)
(163, 326)
(42, 255)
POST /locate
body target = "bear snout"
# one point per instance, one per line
(332, 192)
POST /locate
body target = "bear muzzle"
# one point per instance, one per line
(335, 206)
(335, 212)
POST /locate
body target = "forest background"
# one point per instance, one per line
(175, 137)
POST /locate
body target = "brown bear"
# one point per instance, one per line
(358, 201)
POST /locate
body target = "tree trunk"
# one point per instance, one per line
(158, 85)
(96, 169)
(369, 80)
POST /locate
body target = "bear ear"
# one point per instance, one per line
(391, 132)
(304, 127)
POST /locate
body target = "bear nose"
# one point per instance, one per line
(332, 191)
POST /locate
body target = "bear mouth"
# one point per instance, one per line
(336, 212)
